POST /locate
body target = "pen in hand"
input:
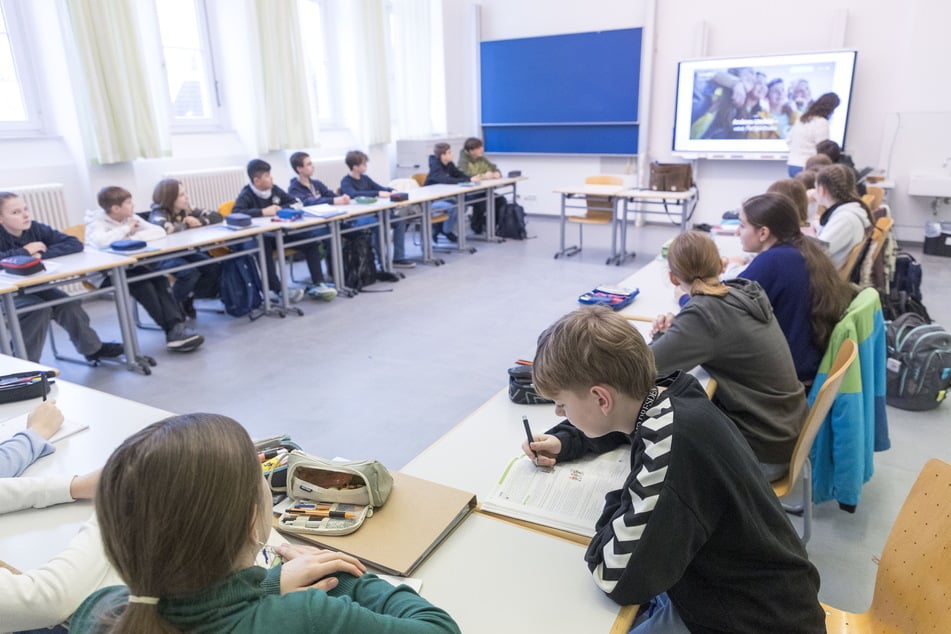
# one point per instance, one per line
(531, 438)
(45, 384)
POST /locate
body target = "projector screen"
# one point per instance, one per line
(741, 107)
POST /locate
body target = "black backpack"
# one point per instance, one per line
(510, 222)
(240, 287)
(904, 295)
(359, 267)
(919, 363)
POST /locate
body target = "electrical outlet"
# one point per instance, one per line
(528, 197)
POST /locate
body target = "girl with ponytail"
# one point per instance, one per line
(846, 219)
(806, 292)
(729, 330)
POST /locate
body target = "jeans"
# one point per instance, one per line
(70, 316)
(201, 281)
(450, 225)
(793, 170)
(659, 617)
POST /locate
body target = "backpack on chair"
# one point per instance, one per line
(918, 372)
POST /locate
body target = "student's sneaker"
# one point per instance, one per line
(322, 291)
(404, 264)
(182, 339)
(452, 237)
(106, 351)
(294, 295)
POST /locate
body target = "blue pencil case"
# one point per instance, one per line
(612, 296)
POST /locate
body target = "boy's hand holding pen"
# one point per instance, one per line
(542, 449)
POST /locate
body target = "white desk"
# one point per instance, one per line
(582, 192)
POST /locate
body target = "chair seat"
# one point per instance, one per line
(588, 220)
(782, 487)
(440, 218)
(840, 621)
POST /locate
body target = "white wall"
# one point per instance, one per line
(902, 50)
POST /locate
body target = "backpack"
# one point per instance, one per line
(904, 295)
(240, 287)
(510, 222)
(359, 267)
(918, 370)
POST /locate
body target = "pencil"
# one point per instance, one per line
(45, 385)
(529, 435)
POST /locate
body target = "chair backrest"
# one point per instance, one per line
(875, 196)
(77, 231)
(821, 406)
(845, 271)
(601, 208)
(913, 584)
(420, 178)
(883, 227)
(404, 184)
(225, 208)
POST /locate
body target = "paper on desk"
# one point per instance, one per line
(18, 423)
(569, 496)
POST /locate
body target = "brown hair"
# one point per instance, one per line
(472, 143)
(830, 148)
(111, 196)
(297, 160)
(823, 107)
(829, 295)
(807, 178)
(166, 193)
(441, 148)
(839, 181)
(354, 158)
(175, 505)
(795, 191)
(693, 257)
(593, 346)
(816, 162)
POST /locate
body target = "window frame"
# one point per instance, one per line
(17, 30)
(218, 120)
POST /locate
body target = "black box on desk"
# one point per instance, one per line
(941, 244)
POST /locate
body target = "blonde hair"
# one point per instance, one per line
(593, 346)
(693, 257)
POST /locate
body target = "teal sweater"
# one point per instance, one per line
(250, 601)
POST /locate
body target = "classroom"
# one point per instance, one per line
(412, 369)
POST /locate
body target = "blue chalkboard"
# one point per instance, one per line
(570, 94)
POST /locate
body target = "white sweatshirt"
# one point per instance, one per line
(101, 230)
(844, 229)
(803, 137)
(47, 595)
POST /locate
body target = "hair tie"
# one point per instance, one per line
(144, 600)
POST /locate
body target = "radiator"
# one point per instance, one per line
(207, 189)
(47, 203)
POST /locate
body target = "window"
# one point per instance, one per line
(189, 65)
(17, 106)
(316, 32)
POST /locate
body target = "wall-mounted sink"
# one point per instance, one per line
(930, 184)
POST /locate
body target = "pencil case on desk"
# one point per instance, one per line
(615, 298)
(328, 518)
(275, 471)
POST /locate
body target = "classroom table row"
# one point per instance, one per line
(319, 223)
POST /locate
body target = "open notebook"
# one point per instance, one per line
(18, 423)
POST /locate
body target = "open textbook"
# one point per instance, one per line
(18, 423)
(569, 496)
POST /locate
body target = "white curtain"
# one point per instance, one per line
(417, 34)
(288, 115)
(370, 49)
(116, 105)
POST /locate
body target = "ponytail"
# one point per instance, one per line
(693, 257)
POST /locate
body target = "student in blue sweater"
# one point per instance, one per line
(308, 189)
(807, 294)
(357, 183)
(29, 445)
(261, 197)
(442, 171)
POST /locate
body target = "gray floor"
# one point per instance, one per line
(385, 374)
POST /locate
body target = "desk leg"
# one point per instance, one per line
(384, 232)
(336, 256)
(565, 251)
(624, 255)
(490, 212)
(285, 272)
(9, 307)
(461, 224)
(615, 227)
(262, 267)
(426, 240)
(5, 346)
(135, 360)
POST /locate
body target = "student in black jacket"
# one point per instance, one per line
(261, 197)
(695, 535)
(20, 235)
(442, 171)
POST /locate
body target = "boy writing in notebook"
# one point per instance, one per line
(261, 197)
(695, 535)
(473, 162)
(117, 220)
(20, 235)
(357, 183)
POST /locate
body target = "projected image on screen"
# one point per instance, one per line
(749, 104)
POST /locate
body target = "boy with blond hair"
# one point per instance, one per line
(696, 535)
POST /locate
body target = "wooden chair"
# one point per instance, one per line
(873, 197)
(913, 583)
(420, 179)
(225, 208)
(600, 210)
(845, 271)
(799, 464)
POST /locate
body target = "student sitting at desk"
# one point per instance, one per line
(356, 184)
(696, 536)
(172, 211)
(805, 290)
(158, 493)
(729, 330)
(442, 171)
(48, 595)
(20, 235)
(846, 218)
(261, 197)
(31, 444)
(117, 220)
(473, 162)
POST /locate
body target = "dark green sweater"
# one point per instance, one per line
(250, 601)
